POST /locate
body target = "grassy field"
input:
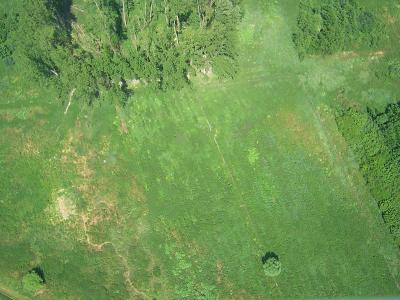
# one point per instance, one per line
(180, 194)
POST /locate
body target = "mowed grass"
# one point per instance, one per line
(204, 182)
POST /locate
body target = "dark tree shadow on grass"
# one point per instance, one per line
(38, 270)
(268, 255)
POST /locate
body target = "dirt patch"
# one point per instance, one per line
(6, 116)
(66, 207)
(82, 166)
(95, 224)
(354, 54)
(70, 153)
(93, 191)
(134, 83)
(87, 221)
(62, 209)
(348, 55)
(376, 55)
(30, 148)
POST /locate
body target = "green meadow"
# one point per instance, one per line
(179, 194)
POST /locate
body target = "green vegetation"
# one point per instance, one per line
(32, 282)
(94, 48)
(326, 27)
(160, 192)
(271, 264)
(375, 140)
(7, 22)
(388, 68)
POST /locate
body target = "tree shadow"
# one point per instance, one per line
(38, 270)
(268, 255)
(63, 12)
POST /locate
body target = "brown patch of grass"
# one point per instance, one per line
(376, 54)
(348, 55)
(354, 54)
(12, 132)
(302, 133)
(105, 141)
(82, 166)
(219, 266)
(136, 191)
(100, 205)
(176, 236)
(41, 292)
(6, 116)
(30, 148)
(37, 110)
(390, 19)
(87, 221)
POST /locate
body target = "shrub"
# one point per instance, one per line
(271, 264)
(32, 282)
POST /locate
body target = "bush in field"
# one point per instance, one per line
(271, 264)
(32, 282)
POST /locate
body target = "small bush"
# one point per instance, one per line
(271, 264)
(32, 282)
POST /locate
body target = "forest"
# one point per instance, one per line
(107, 47)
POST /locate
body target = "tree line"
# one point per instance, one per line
(100, 47)
(328, 26)
(375, 140)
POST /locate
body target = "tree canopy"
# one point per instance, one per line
(102, 45)
(328, 26)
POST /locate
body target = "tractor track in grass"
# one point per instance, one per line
(10, 294)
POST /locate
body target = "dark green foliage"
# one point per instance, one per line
(114, 42)
(7, 23)
(375, 140)
(327, 26)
